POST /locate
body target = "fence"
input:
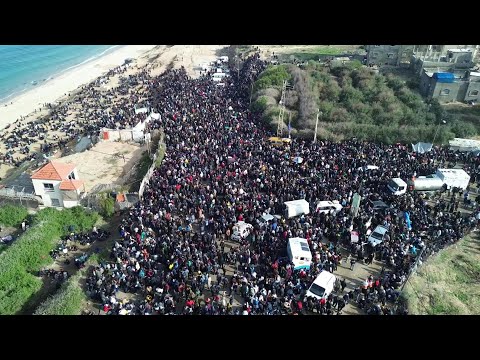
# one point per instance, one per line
(147, 177)
(116, 135)
(27, 199)
(160, 152)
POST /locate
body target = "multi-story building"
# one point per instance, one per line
(58, 185)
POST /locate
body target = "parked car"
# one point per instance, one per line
(329, 207)
(378, 205)
(241, 230)
(322, 286)
(377, 235)
(265, 220)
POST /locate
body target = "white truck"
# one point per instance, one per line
(299, 253)
(442, 179)
(296, 208)
(329, 207)
(454, 178)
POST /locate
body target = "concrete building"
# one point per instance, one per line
(461, 86)
(446, 60)
(393, 55)
(58, 185)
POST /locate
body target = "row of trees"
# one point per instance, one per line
(354, 101)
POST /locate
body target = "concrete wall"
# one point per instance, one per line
(47, 196)
(69, 203)
(473, 91)
(116, 135)
(440, 91)
(388, 54)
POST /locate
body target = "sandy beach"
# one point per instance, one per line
(87, 98)
(56, 88)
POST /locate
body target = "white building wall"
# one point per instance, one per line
(69, 204)
(48, 195)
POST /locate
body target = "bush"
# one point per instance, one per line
(273, 76)
(26, 256)
(260, 105)
(11, 215)
(463, 129)
(107, 205)
(67, 301)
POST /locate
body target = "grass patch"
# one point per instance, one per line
(30, 252)
(314, 53)
(449, 283)
(12, 215)
(67, 301)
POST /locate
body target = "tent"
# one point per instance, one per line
(422, 147)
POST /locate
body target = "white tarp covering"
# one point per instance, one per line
(141, 110)
(464, 144)
(422, 147)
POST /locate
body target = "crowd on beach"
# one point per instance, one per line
(84, 113)
(175, 251)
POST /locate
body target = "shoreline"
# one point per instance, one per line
(65, 82)
(51, 76)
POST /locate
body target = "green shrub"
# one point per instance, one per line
(26, 256)
(273, 76)
(367, 105)
(260, 105)
(11, 215)
(107, 205)
(67, 301)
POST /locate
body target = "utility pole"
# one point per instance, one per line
(436, 131)
(316, 128)
(251, 92)
(289, 124)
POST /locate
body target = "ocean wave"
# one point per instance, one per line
(32, 83)
(87, 60)
(2, 100)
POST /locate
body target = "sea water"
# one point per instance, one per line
(24, 67)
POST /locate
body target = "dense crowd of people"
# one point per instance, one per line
(175, 251)
(82, 114)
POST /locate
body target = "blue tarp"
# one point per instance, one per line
(444, 77)
(407, 220)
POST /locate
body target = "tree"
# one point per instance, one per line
(107, 205)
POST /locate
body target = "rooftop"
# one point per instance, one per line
(71, 184)
(53, 171)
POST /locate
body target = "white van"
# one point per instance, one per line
(241, 230)
(322, 286)
(397, 186)
(296, 208)
(299, 253)
(329, 207)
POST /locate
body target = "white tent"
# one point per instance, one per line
(422, 147)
